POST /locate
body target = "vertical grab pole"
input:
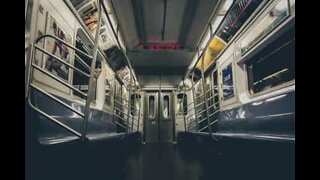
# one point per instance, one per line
(194, 101)
(139, 111)
(129, 103)
(184, 115)
(92, 73)
(204, 94)
(133, 114)
(28, 68)
(114, 101)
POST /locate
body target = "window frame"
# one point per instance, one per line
(154, 107)
(260, 44)
(164, 102)
(254, 25)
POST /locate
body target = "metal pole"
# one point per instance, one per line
(26, 8)
(194, 102)
(114, 99)
(28, 70)
(139, 111)
(133, 105)
(92, 72)
(129, 103)
(133, 114)
(184, 115)
(204, 93)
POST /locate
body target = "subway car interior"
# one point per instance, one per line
(159, 89)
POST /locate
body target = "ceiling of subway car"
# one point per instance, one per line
(163, 23)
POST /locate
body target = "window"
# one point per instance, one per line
(269, 22)
(151, 107)
(108, 90)
(135, 104)
(182, 106)
(166, 106)
(227, 82)
(274, 65)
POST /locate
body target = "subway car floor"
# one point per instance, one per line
(185, 160)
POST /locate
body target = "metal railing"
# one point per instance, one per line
(204, 113)
(125, 112)
(31, 85)
(33, 66)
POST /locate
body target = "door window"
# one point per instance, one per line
(166, 106)
(151, 107)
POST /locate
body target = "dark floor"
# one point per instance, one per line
(116, 161)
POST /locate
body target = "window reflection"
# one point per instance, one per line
(135, 104)
(151, 106)
(166, 106)
(182, 104)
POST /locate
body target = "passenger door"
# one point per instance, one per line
(159, 117)
(151, 117)
(166, 117)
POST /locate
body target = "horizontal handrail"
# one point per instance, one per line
(216, 120)
(201, 111)
(202, 120)
(121, 118)
(125, 105)
(57, 79)
(54, 120)
(212, 97)
(120, 111)
(214, 104)
(65, 43)
(197, 97)
(62, 61)
(203, 128)
(120, 103)
(57, 100)
(200, 104)
(120, 124)
(214, 113)
(78, 58)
